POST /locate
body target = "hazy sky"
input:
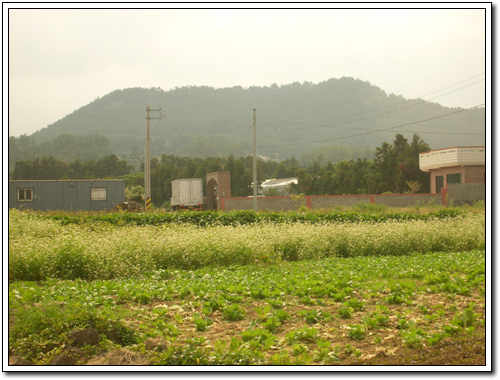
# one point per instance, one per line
(61, 60)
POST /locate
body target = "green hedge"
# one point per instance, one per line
(245, 217)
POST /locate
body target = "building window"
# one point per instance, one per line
(98, 194)
(454, 178)
(24, 195)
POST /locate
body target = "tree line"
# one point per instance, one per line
(394, 168)
(51, 168)
(64, 147)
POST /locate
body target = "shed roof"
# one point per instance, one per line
(279, 182)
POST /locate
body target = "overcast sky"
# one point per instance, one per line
(61, 60)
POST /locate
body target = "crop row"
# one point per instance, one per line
(309, 312)
(236, 218)
(40, 249)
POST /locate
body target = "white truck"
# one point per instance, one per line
(187, 194)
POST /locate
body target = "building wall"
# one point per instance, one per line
(470, 174)
(263, 203)
(223, 181)
(466, 193)
(71, 195)
(444, 172)
(475, 174)
(329, 201)
(407, 200)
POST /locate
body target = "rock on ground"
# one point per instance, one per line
(81, 337)
(18, 360)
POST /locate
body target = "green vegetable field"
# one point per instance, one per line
(248, 289)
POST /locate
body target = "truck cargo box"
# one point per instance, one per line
(187, 194)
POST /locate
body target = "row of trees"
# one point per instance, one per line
(50, 168)
(64, 147)
(395, 168)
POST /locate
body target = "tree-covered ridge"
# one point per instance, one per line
(204, 121)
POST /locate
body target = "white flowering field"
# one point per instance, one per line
(262, 293)
(40, 249)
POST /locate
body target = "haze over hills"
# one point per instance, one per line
(291, 120)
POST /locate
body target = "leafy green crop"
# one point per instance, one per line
(356, 332)
(193, 302)
(234, 313)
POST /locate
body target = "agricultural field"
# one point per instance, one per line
(339, 288)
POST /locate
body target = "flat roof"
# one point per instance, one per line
(453, 147)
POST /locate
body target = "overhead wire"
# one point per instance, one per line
(453, 85)
(156, 127)
(373, 131)
(426, 132)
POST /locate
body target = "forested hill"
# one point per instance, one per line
(204, 121)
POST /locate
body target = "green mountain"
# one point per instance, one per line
(291, 120)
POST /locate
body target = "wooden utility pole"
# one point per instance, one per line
(147, 164)
(254, 162)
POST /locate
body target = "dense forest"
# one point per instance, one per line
(292, 120)
(394, 168)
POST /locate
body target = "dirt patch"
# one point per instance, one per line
(119, 358)
(463, 351)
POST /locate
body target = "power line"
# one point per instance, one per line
(453, 85)
(371, 132)
(156, 127)
(426, 132)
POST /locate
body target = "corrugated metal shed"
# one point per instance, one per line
(72, 195)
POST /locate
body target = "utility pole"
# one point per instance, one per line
(254, 162)
(147, 164)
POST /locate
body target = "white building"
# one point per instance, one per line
(461, 164)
